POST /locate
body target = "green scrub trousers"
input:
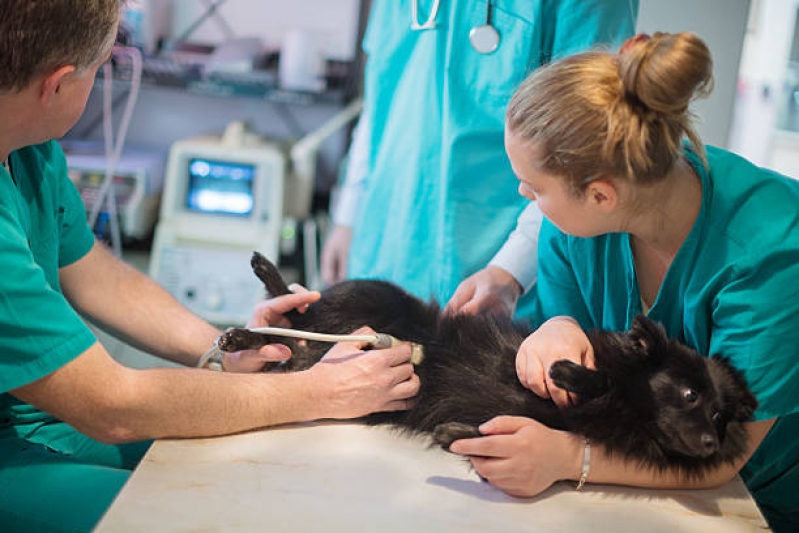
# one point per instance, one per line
(64, 485)
(52, 478)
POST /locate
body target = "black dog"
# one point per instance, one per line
(650, 398)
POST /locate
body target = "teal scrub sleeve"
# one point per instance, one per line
(558, 290)
(581, 25)
(75, 237)
(39, 330)
(756, 324)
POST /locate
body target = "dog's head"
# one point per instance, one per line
(691, 397)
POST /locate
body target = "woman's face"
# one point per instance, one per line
(571, 214)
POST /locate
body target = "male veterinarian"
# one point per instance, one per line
(67, 408)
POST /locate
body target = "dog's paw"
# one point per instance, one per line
(566, 374)
(269, 275)
(578, 379)
(445, 434)
(237, 339)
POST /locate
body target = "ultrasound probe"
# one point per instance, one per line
(377, 341)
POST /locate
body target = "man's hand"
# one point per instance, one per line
(270, 313)
(359, 382)
(491, 289)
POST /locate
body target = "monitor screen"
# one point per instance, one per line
(220, 187)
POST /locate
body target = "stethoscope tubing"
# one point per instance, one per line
(484, 38)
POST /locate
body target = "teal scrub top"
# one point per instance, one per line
(440, 195)
(732, 289)
(42, 228)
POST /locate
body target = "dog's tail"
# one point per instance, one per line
(269, 275)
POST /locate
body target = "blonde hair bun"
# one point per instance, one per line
(597, 114)
(666, 72)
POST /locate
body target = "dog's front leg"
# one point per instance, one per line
(584, 382)
(445, 434)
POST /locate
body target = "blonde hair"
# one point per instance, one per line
(597, 114)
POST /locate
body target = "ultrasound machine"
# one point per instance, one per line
(224, 198)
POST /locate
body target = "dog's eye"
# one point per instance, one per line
(716, 417)
(690, 395)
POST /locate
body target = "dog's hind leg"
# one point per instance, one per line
(269, 275)
(445, 434)
(578, 379)
(237, 339)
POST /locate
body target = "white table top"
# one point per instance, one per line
(346, 477)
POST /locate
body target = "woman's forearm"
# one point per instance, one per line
(616, 470)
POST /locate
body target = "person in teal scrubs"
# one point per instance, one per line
(73, 422)
(432, 197)
(695, 237)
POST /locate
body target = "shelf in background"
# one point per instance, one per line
(262, 84)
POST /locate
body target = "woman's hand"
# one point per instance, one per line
(521, 456)
(335, 253)
(558, 338)
(358, 382)
(491, 289)
(270, 313)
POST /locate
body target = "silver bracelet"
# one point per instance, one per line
(213, 359)
(586, 465)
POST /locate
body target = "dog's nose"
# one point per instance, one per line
(709, 443)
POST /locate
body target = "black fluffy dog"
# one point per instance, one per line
(650, 398)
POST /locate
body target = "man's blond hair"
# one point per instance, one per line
(39, 35)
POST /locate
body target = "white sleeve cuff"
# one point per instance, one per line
(519, 255)
(346, 204)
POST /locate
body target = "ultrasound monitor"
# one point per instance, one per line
(219, 187)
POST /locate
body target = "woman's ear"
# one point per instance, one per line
(603, 194)
(51, 84)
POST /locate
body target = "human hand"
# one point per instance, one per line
(335, 253)
(358, 382)
(270, 313)
(521, 456)
(491, 289)
(558, 338)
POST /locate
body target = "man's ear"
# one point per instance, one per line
(52, 84)
(603, 194)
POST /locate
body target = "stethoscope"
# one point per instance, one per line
(484, 38)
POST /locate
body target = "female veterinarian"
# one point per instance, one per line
(638, 222)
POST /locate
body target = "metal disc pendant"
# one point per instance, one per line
(484, 38)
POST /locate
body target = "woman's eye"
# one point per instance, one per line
(690, 395)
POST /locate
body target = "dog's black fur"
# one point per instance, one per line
(650, 398)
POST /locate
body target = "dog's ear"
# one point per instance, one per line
(269, 275)
(732, 387)
(648, 335)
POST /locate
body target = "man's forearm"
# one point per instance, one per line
(134, 307)
(191, 403)
(114, 404)
(151, 319)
